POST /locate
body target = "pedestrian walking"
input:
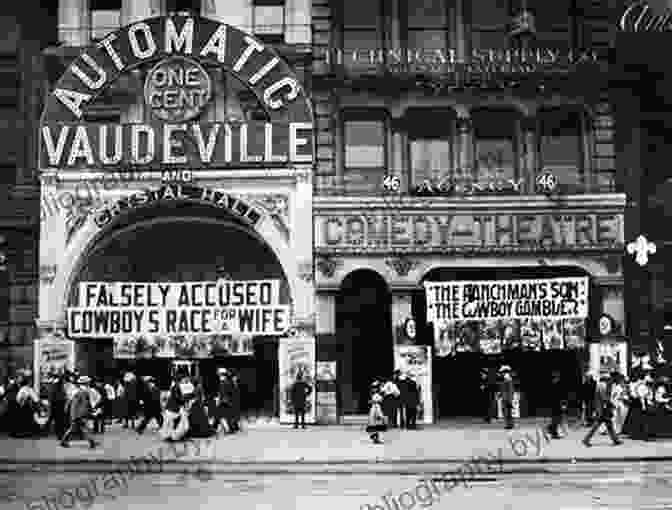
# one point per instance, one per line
(98, 398)
(299, 395)
(605, 412)
(377, 421)
(587, 394)
(57, 401)
(130, 399)
(619, 398)
(151, 405)
(80, 411)
(27, 406)
(507, 391)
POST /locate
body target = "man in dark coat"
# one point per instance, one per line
(57, 401)
(80, 410)
(410, 397)
(151, 408)
(507, 390)
(224, 400)
(489, 382)
(235, 401)
(299, 394)
(556, 397)
(588, 388)
(605, 412)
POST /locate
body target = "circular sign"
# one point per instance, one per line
(410, 328)
(606, 325)
(177, 89)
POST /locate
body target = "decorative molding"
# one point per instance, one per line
(306, 271)
(76, 216)
(303, 175)
(402, 264)
(328, 265)
(277, 208)
(48, 273)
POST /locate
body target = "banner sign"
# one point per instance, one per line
(296, 354)
(146, 308)
(552, 298)
(416, 360)
(423, 232)
(195, 145)
(52, 356)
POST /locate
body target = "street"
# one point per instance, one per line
(642, 486)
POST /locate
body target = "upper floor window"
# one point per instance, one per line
(494, 144)
(561, 145)
(427, 24)
(268, 20)
(430, 138)
(183, 5)
(105, 17)
(489, 21)
(365, 144)
(362, 31)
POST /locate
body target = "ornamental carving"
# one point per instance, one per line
(328, 265)
(402, 265)
(48, 273)
(306, 271)
(277, 208)
(76, 216)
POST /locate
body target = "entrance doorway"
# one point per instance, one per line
(364, 330)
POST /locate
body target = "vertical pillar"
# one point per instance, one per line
(395, 29)
(298, 21)
(461, 46)
(530, 158)
(325, 320)
(466, 146)
(237, 13)
(74, 22)
(397, 161)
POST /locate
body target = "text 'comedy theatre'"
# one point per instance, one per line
(337, 188)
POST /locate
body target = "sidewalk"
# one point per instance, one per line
(448, 442)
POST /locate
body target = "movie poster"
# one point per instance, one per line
(574, 333)
(296, 354)
(416, 360)
(445, 339)
(609, 356)
(552, 334)
(491, 338)
(52, 356)
(530, 334)
(511, 337)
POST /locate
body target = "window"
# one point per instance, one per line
(489, 21)
(604, 158)
(430, 135)
(105, 17)
(561, 146)
(428, 25)
(554, 23)
(494, 144)
(364, 140)
(183, 5)
(362, 31)
(268, 19)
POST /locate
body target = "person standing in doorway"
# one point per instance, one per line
(412, 402)
(605, 412)
(224, 402)
(391, 393)
(507, 391)
(299, 393)
(377, 421)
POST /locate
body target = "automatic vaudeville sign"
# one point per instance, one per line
(178, 56)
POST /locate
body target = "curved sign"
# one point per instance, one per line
(177, 51)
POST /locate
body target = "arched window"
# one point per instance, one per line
(431, 147)
(495, 144)
(561, 148)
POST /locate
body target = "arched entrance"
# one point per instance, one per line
(457, 377)
(157, 246)
(364, 329)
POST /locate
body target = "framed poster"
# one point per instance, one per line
(609, 356)
(52, 355)
(296, 354)
(416, 360)
(326, 371)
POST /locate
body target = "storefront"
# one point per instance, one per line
(535, 275)
(202, 254)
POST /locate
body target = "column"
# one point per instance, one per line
(74, 22)
(460, 32)
(529, 158)
(298, 21)
(401, 310)
(237, 13)
(466, 146)
(397, 160)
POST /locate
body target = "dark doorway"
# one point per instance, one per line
(364, 329)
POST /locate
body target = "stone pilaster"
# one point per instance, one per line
(528, 127)
(465, 136)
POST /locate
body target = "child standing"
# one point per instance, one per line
(377, 422)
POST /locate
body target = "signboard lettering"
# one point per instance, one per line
(434, 231)
(553, 298)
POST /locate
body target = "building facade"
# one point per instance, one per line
(455, 142)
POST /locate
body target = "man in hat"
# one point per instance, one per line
(299, 394)
(556, 397)
(224, 401)
(80, 410)
(605, 412)
(507, 391)
(410, 398)
(151, 409)
(391, 393)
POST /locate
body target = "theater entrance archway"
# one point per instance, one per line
(364, 330)
(182, 249)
